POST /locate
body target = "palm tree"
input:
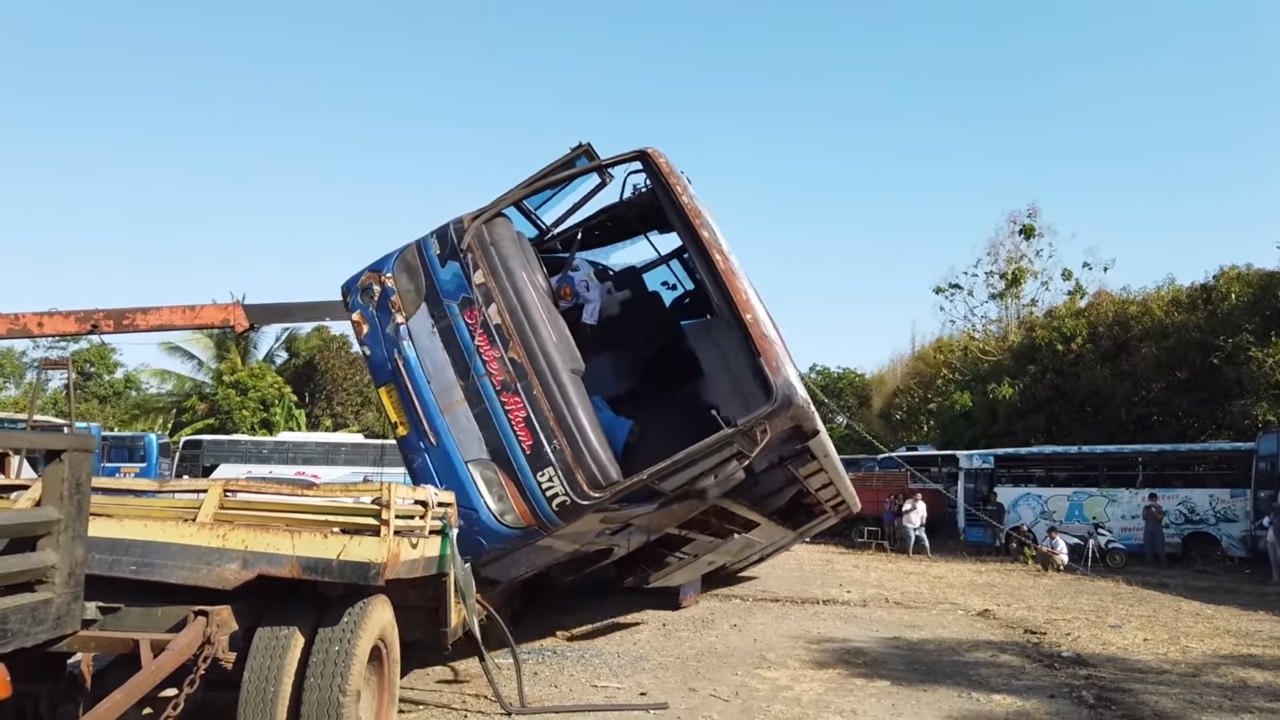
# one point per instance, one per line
(203, 354)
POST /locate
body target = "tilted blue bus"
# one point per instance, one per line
(593, 375)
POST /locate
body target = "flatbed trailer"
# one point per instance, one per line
(295, 601)
(302, 596)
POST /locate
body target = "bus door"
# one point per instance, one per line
(1266, 482)
(977, 479)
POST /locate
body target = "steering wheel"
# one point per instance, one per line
(602, 272)
(689, 305)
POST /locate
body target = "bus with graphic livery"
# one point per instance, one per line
(584, 363)
(1212, 497)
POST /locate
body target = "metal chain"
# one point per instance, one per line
(190, 684)
(844, 418)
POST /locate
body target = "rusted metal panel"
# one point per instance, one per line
(161, 318)
(178, 651)
(768, 341)
(115, 321)
(113, 642)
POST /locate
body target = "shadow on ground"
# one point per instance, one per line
(573, 612)
(1105, 686)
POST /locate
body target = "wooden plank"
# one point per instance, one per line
(29, 497)
(9, 603)
(57, 441)
(143, 511)
(282, 520)
(209, 505)
(323, 506)
(32, 522)
(271, 487)
(26, 567)
(316, 520)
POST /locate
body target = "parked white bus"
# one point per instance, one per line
(298, 456)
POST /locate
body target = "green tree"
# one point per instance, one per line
(250, 399)
(206, 355)
(1018, 276)
(14, 366)
(332, 383)
(843, 398)
(107, 391)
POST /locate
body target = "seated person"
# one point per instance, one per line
(577, 285)
(1052, 553)
(1021, 542)
(619, 431)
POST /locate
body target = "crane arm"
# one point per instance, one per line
(239, 317)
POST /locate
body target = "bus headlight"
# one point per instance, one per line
(501, 498)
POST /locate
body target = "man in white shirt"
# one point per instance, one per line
(1052, 552)
(914, 515)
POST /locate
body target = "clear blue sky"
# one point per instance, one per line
(851, 152)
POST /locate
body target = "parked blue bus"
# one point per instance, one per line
(595, 378)
(119, 454)
(35, 464)
(136, 454)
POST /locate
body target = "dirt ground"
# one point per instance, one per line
(829, 632)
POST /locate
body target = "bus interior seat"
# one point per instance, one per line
(643, 342)
(521, 281)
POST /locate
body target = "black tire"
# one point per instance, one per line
(1116, 558)
(272, 685)
(1203, 550)
(354, 669)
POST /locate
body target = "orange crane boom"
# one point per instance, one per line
(239, 317)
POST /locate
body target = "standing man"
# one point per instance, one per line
(914, 515)
(1273, 543)
(996, 511)
(1153, 530)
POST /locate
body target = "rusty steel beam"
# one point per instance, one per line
(164, 318)
(115, 321)
(179, 650)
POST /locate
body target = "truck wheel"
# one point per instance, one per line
(354, 669)
(272, 683)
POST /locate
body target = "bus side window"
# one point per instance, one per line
(219, 452)
(267, 453)
(349, 454)
(307, 453)
(166, 449)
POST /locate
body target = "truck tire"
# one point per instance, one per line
(272, 683)
(354, 669)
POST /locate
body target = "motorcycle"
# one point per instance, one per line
(1111, 550)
